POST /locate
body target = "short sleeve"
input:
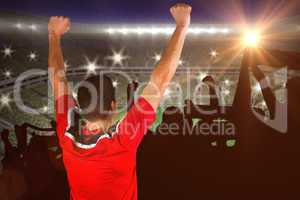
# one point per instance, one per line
(134, 125)
(62, 107)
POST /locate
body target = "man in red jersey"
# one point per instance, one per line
(100, 156)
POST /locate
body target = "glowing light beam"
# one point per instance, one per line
(165, 30)
(252, 39)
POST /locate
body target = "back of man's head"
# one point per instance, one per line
(95, 97)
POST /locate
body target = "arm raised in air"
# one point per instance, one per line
(57, 27)
(166, 68)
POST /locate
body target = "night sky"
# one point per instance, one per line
(153, 11)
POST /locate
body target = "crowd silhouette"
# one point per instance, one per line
(262, 163)
(32, 170)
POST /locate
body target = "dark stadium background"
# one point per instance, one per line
(89, 40)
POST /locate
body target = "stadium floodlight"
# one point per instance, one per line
(213, 53)
(252, 38)
(7, 51)
(226, 92)
(115, 83)
(226, 82)
(118, 58)
(154, 30)
(5, 100)
(140, 30)
(7, 74)
(32, 56)
(45, 109)
(124, 31)
(157, 57)
(91, 66)
(212, 30)
(33, 27)
(181, 62)
(110, 31)
(19, 25)
(225, 31)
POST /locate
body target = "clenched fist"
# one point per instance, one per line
(59, 25)
(182, 14)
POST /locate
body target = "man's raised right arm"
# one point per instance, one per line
(57, 27)
(166, 68)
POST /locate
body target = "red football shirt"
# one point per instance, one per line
(102, 165)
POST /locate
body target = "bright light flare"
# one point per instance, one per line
(5, 100)
(227, 82)
(155, 30)
(32, 56)
(7, 74)
(110, 31)
(19, 25)
(252, 39)
(226, 92)
(115, 83)
(213, 53)
(33, 27)
(157, 57)
(181, 62)
(91, 66)
(7, 51)
(118, 58)
(45, 109)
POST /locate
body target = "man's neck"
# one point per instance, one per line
(100, 125)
